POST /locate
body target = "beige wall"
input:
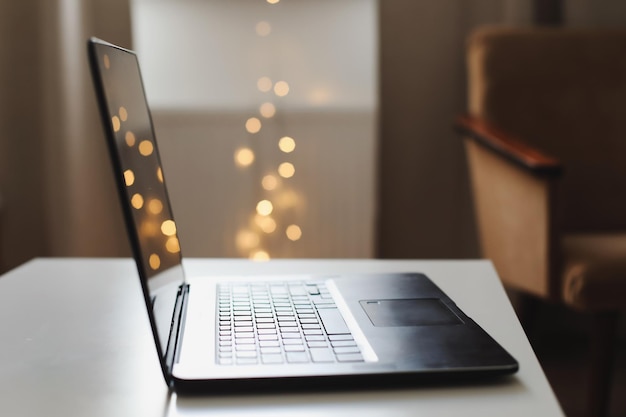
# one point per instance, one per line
(424, 201)
(55, 183)
(21, 221)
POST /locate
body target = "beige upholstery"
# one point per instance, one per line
(594, 273)
(546, 146)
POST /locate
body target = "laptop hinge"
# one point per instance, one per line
(177, 327)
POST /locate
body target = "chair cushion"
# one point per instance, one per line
(594, 273)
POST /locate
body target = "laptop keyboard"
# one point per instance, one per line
(281, 323)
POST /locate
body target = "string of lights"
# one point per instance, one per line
(269, 217)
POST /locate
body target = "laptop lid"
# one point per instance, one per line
(141, 185)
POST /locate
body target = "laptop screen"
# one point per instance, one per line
(139, 177)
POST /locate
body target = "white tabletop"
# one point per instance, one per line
(75, 341)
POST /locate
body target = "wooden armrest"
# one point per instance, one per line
(507, 146)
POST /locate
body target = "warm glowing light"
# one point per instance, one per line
(116, 123)
(168, 227)
(149, 228)
(264, 84)
(244, 157)
(160, 174)
(264, 207)
(288, 198)
(253, 125)
(172, 245)
(267, 110)
(269, 182)
(137, 201)
(123, 114)
(260, 255)
(146, 147)
(155, 206)
(246, 239)
(293, 232)
(155, 261)
(265, 223)
(281, 88)
(287, 144)
(107, 62)
(273, 1)
(263, 28)
(130, 139)
(286, 170)
(129, 177)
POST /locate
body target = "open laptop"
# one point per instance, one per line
(273, 332)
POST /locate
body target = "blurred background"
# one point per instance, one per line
(363, 90)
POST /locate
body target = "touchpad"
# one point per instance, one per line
(409, 312)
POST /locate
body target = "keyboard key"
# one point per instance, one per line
(272, 358)
(270, 350)
(349, 349)
(265, 320)
(290, 330)
(243, 348)
(335, 337)
(243, 329)
(322, 355)
(285, 335)
(246, 354)
(246, 361)
(293, 342)
(341, 343)
(315, 344)
(294, 348)
(333, 321)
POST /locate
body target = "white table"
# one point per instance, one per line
(75, 341)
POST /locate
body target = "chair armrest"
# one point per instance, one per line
(510, 148)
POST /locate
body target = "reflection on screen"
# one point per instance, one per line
(140, 162)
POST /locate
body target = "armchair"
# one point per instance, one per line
(545, 141)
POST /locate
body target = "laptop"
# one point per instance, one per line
(271, 332)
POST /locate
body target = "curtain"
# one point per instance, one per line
(58, 197)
